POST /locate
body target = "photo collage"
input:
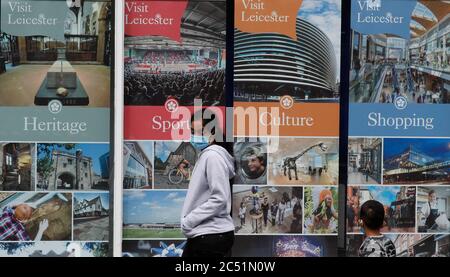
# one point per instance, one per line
(166, 70)
(399, 144)
(156, 178)
(285, 203)
(56, 192)
(409, 176)
(290, 191)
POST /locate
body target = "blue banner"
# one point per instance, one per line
(419, 120)
(382, 16)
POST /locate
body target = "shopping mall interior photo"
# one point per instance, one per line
(384, 65)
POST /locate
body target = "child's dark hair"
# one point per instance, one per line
(372, 214)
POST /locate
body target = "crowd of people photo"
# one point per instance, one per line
(388, 80)
(160, 57)
(411, 85)
(274, 210)
(154, 89)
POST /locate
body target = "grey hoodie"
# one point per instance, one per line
(207, 206)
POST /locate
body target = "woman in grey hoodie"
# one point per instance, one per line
(205, 218)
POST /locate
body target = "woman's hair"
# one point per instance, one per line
(221, 141)
(323, 194)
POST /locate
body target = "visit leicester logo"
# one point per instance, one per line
(400, 102)
(171, 105)
(286, 101)
(154, 18)
(382, 17)
(55, 106)
(267, 16)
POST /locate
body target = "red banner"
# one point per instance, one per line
(157, 123)
(154, 18)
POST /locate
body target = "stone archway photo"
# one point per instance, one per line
(66, 180)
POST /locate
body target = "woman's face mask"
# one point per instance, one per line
(200, 142)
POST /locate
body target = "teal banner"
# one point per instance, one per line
(31, 18)
(44, 124)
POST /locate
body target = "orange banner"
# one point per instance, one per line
(267, 16)
(300, 119)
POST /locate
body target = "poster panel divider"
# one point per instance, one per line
(116, 126)
(343, 130)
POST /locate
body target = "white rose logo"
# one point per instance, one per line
(171, 105)
(55, 106)
(286, 101)
(401, 102)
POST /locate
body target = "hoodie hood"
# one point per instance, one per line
(207, 205)
(229, 160)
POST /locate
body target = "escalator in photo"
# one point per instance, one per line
(368, 83)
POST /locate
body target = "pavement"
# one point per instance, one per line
(93, 229)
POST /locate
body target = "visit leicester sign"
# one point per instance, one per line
(382, 16)
(154, 18)
(26, 18)
(267, 16)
